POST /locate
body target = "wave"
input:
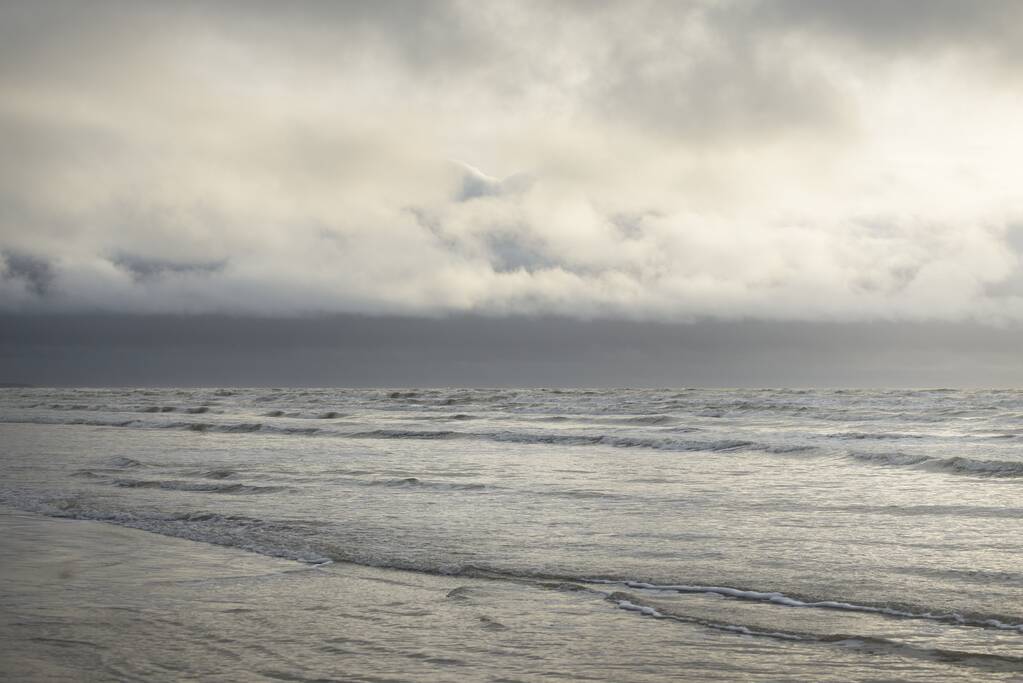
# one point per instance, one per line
(665, 444)
(87, 422)
(437, 398)
(403, 394)
(1005, 437)
(63, 406)
(238, 428)
(661, 444)
(197, 487)
(295, 539)
(873, 644)
(595, 418)
(740, 407)
(211, 427)
(625, 602)
(951, 511)
(408, 434)
(645, 420)
(956, 465)
(216, 473)
(881, 436)
(641, 420)
(563, 439)
(670, 439)
(777, 598)
(220, 427)
(582, 494)
(415, 482)
(86, 474)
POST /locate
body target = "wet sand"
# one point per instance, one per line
(91, 601)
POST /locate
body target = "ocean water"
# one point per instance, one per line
(778, 534)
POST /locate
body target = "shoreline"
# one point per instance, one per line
(92, 601)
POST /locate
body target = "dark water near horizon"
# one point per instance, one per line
(882, 523)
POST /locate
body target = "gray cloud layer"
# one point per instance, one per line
(346, 350)
(795, 159)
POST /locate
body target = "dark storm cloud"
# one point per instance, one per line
(34, 272)
(142, 268)
(518, 351)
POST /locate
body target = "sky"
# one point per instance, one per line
(680, 168)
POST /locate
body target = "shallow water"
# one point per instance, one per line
(880, 523)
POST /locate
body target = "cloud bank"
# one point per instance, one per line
(516, 351)
(787, 160)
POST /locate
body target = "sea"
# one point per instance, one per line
(532, 534)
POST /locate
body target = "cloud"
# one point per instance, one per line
(35, 273)
(346, 350)
(991, 27)
(657, 160)
(143, 269)
(476, 183)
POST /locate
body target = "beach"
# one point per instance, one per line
(91, 601)
(87, 601)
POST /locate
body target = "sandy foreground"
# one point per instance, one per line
(90, 601)
(82, 600)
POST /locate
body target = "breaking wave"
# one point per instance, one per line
(789, 601)
(664, 444)
(872, 644)
(955, 465)
(297, 540)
